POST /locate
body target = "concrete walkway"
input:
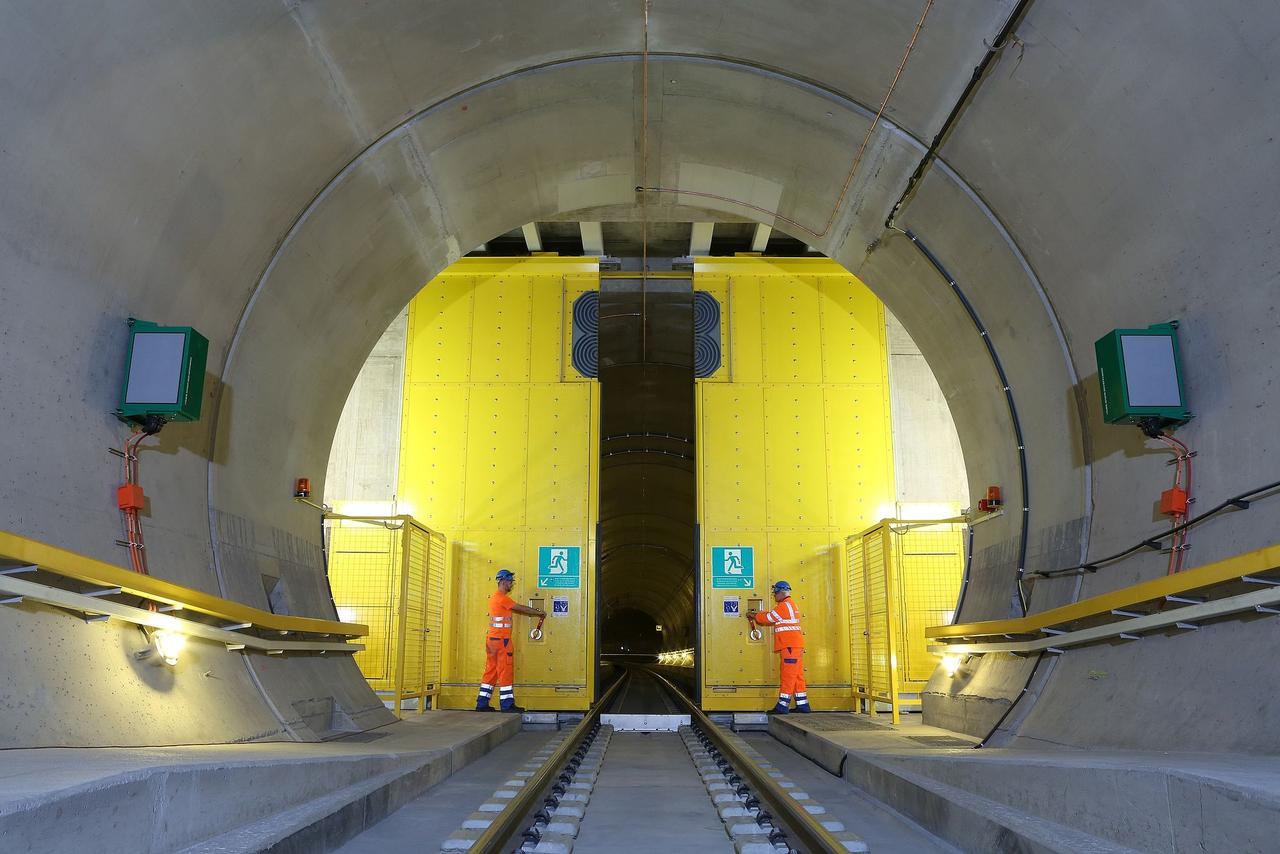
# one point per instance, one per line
(426, 822)
(231, 797)
(1057, 799)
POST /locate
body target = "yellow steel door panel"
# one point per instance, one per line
(560, 659)
(800, 430)
(479, 555)
(795, 459)
(433, 452)
(729, 656)
(859, 455)
(853, 333)
(559, 455)
(792, 330)
(732, 454)
(499, 452)
(548, 328)
(501, 331)
(745, 354)
(496, 456)
(809, 562)
(439, 350)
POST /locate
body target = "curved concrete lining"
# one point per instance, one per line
(285, 178)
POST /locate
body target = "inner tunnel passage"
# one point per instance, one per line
(648, 455)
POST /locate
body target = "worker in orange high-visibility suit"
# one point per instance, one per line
(788, 642)
(500, 662)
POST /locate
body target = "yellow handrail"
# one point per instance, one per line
(68, 564)
(1230, 569)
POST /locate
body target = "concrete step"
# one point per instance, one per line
(969, 821)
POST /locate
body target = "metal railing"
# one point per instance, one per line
(389, 572)
(1246, 583)
(904, 575)
(55, 573)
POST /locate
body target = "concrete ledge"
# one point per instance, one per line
(1019, 799)
(968, 821)
(226, 798)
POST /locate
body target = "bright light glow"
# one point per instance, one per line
(346, 615)
(951, 663)
(169, 645)
(370, 508)
(677, 657)
(923, 510)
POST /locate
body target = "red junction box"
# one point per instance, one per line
(1173, 502)
(130, 497)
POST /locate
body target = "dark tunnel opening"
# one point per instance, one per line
(648, 476)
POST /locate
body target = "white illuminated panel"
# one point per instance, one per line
(1150, 371)
(155, 371)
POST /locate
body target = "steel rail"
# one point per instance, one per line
(803, 830)
(509, 824)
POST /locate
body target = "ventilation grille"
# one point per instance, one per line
(586, 345)
(706, 334)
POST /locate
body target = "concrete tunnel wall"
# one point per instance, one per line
(284, 177)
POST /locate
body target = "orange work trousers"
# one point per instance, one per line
(499, 672)
(791, 667)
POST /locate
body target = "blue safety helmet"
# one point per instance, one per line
(780, 585)
(506, 575)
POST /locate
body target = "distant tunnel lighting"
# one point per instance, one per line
(169, 645)
(951, 663)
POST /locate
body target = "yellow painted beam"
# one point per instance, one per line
(522, 266)
(68, 564)
(1231, 569)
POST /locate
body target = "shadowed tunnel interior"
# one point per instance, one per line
(648, 478)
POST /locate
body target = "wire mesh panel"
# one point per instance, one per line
(903, 577)
(389, 574)
(363, 577)
(859, 630)
(930, 563)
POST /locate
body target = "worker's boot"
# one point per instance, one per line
(779, 709)
(513, 708)
(802, 703)
(484, 708)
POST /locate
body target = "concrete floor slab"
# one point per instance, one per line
(426, 822)
(232, 797)
(650, 798)
(1137, 800)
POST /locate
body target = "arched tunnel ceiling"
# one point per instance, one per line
(286, 176)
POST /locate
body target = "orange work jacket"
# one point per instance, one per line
(500, 615)
(785, 619)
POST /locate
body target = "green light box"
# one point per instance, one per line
(164, 373)
(1139, 372)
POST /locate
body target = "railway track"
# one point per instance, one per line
(747, 804)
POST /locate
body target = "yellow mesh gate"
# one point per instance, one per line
(903, 577)
(390, 572)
